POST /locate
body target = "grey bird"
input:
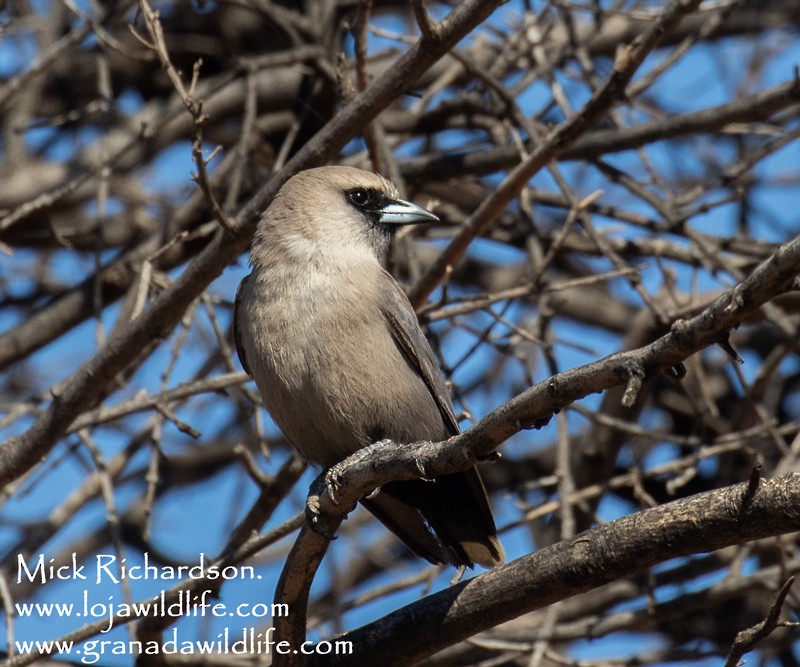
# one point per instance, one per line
(339, 357)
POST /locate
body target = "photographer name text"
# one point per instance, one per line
(110, 568)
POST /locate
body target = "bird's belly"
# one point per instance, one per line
(331, 400)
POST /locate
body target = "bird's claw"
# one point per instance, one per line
(316, 519)
(333, 477)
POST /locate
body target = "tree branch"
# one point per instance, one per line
(746, 640)
(752, 109)
(704, 522)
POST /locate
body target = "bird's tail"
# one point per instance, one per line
(454, 506)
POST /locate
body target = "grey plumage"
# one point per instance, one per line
(340, 360)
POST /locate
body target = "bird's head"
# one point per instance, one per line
(338, 209)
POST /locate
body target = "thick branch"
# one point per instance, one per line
(705, 522)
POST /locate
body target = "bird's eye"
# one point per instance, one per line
(359, 197)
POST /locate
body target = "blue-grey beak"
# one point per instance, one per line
(401, 212)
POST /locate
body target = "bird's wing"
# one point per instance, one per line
(455, 506)
(403, 324)
(237, 331)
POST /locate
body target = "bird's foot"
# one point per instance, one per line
(330, 482)
(335, 473)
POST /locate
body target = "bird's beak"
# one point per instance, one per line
(401, 212)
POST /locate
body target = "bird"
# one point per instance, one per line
(339, 357)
